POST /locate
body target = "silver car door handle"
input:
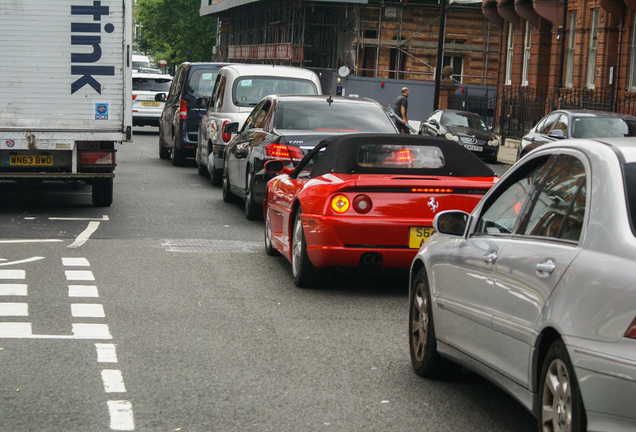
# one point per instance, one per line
(490, 257)
(546, 266)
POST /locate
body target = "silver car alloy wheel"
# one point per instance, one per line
(297, 246)
(557, 399)
(419, 325)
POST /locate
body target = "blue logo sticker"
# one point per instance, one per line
(101, 111)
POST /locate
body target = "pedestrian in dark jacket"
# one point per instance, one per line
(401, 109)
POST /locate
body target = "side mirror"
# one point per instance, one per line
(160, 97)
(277, 167)
(451, 222)
(231, 128)
(556, 133)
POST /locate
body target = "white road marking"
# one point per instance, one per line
(31, 241)
(79, 275)
(12, 274)
(85, 310)
(103, 218)
(85, 235)
(113, 381)
(14, 309)
(13, 289)
(21, 261)
(75, 262)
(82, 291)
(15, 330)
(106, 353)
(121, 415)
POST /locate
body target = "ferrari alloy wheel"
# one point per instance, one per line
(252, 210)
(423, 345)
(269, 248)
(561, 403)
(305, 274)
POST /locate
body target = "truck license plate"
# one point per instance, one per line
(418, 235)
(37, 160)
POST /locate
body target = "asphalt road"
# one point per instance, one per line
(163, 313)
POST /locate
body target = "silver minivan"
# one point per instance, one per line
(238, 89)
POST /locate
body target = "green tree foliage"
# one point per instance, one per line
(172, 30)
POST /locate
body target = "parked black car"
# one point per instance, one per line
(179, 123)
(576, 123)
(465, 128)
(286, 128)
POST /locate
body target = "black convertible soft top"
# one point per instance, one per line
(342, 152)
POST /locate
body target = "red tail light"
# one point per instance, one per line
(631, 330)
(283, 151)
(431, 190)
(362, 204)
(183, 110)
(226, 137)
(403, 156)
(97, 158)
(134, 97)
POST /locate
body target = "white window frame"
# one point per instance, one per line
(525, 69)
(631, 85)
(592, 48)
(509, 52)
(569, 50)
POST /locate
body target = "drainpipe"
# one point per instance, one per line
(440, 54)
(565, 26)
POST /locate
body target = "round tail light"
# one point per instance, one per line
(340, 203)
(362, 204)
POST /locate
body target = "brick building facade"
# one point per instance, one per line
(563, 54)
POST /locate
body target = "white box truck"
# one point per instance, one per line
(65, 90)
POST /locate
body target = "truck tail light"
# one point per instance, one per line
(183, 109)
(226, 137)
(134, 97)
(97, 158)
(283, 151)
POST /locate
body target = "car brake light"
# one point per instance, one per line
(631, 330)
(340, 203)
(183, 110)
(97, 158)
(404, 156)
(134, 97)
(431, 190)
(283, 151)
(226, 137)
(362, 204)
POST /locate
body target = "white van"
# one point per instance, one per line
(238, 89)
(140, 61)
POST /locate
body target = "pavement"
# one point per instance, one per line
(508, 151)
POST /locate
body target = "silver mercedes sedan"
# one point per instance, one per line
(536, 289)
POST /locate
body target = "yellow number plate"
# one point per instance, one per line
(39, 160)
(418, 235)
(144, 103)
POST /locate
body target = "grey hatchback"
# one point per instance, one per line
(535, 289)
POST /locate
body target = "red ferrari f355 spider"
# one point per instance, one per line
(367, 200)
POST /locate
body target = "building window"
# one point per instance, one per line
(457, 64)
(591, 55)
(632, 56)
(526, 55)
(569, 49)
(509, 52)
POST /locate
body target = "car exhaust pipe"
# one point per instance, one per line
(371, 259)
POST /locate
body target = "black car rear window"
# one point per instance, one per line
(201, 82)
(629, 175)
(248, 91)
(340, 116)
(151, 84)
